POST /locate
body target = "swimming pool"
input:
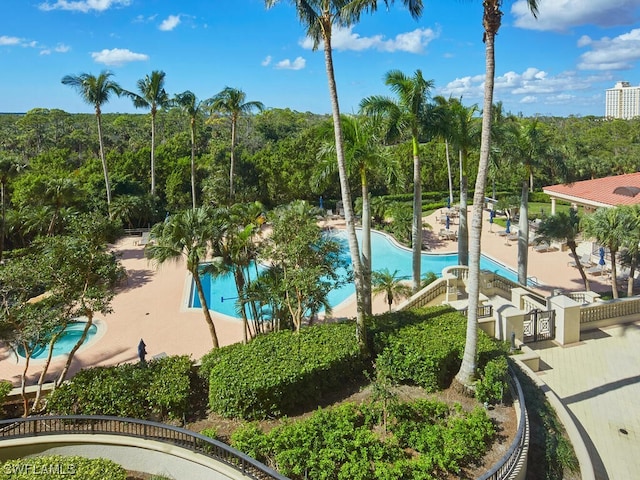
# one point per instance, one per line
(65, 343)
(221, 292)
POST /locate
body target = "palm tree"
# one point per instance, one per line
(491, 20)
(363, 154)
(232, 102)
(443, 128)
(464, 137)
(152, 95)
(610, 227)
(186, 234)
(318, 17)
(191, 106)
(406, 115)
(389, 283)
(565, 228)
(632, 244)
(96, 91)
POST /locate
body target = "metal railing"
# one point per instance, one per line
(130, 427)
(507, 465)
(484, 311)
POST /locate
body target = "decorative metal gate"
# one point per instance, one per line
(539, 325)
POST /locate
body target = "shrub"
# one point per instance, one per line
(59, 467)
(492, 384)
(157, 390)
(425, 346)
(275, 374)
(345, 442)
(5, 388)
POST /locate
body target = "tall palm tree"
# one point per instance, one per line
(391, 285)
(632, 244)
(364, 154)
(96, 91)
(191, 106)
(464, 136)
(491, 20)
(610, 227)
(153, 96)
(443, 128)
(406, 116)
(318, 17)
(186, 234)
(232, 102)
(564, 227)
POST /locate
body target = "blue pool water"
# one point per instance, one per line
(65, 343)
(221, 292)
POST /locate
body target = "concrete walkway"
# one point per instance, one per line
(598, 381)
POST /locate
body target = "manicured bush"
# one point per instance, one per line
(54, 467)
(425, 346)
(428, 440)
(277, 373)
(493, 381)
(157, 390)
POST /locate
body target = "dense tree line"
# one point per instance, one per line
(50, 167)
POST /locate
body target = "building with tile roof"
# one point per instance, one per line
(600, 192)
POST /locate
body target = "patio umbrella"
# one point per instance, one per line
(142, 351)
(447, 222)
(508, 230)
(448, 202)
(492, 214)
(601, 262)
(321, 203)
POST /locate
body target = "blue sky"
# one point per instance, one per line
(559, 64)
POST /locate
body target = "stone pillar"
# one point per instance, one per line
(567, 319)
(553, 205)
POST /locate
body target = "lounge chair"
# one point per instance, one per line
(145, 239)
(585, 261)
(544, 247)
(597, 270)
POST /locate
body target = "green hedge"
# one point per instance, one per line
(54, 467)
(157, 390)
(425, 346)
(277, 373)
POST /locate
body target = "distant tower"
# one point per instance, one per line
(622, 101)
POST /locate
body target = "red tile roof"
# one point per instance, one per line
(601, 192)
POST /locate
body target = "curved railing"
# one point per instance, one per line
(130, 427)
(517, 452)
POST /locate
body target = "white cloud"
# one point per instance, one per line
(563, 14)
(83, 6)
(169, 23)
(286, 64)
(345, 39)
(118, 56)
(618, 53)
(62, 48)
(266, 61)
(4, 40)
(529, 99)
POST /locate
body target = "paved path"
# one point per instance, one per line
(598, 380)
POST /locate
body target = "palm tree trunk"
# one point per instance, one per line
(632, 271)
(465, 375)
(232, 165)
(193, 163)
(463, 228)
(416, 230)
(105, 170)
(366, 244)
(205, 307)
(239, 278)
(572, 246)
(153, 153)
(356, 264)
(614, 273)
(523, 235)
(446, 150)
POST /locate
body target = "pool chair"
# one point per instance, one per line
(597, 270)
(585, 261)
(544, 247)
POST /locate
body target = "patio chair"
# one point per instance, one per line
(597, 270)
(585, 261)
(544, 247)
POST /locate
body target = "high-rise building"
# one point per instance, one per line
(622, 101)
